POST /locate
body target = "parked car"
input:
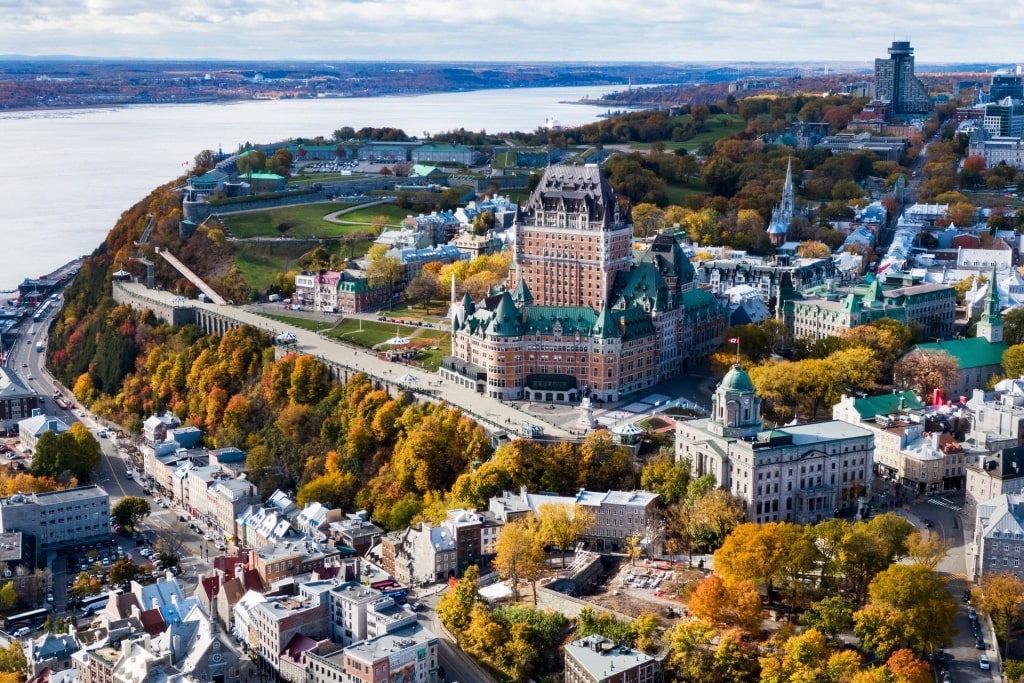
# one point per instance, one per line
(984, 663)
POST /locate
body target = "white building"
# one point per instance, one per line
(801, 473)
(58, 519)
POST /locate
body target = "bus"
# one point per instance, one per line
(30, 619)
(94, 604)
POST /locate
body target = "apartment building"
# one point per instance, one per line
(409, 654)
(596, 659)
(617, 514)
(59, 518)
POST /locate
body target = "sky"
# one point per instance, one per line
(821, 31)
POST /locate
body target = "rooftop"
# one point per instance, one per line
(602, 658)
(398, 641)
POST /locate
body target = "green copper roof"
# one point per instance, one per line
(974, 352)
(991, 314)
(522, 294)
(737, 379)
(885, 404)
(606, 328)
(571, 320)
(641, 286)
(506, 322)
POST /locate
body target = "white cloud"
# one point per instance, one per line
(570, 30)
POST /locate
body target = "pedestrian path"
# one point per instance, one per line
(942, 502)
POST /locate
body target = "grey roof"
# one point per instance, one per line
(11, 386)
(602, 658)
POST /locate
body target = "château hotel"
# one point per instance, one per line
(583, 313)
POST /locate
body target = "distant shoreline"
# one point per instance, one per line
(235, 100)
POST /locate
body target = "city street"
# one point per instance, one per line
(944, 512)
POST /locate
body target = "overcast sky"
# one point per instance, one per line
(500, 30)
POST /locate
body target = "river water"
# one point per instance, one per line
(71, 173)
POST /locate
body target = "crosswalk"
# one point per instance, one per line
(942, 502)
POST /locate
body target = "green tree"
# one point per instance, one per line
(123, 571)
(130, 510)
(666, 476)
(1013, 326)
(831, 615)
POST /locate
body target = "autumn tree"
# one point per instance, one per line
(802, 657)
(906, 667)
(927, 549)
(455, 608)
(519, 554)
(735, 605)
(13, 661)
(647, 220)
(1013, 361)
(383, 269)
(756, 552)
(908, 605)
(666, 476)
(8, 596)
(562, 525)
(926, 369)
(812, 249)
(1001, 596)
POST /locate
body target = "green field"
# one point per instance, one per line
(304, 221)
(261, 261)
(304, 179)
(365, 216)
(677, 194)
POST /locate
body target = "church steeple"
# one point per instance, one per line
(782, 214)
(990, 326)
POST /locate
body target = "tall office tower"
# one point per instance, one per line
(1005, 85)
(895, 82)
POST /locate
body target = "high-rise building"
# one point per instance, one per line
(1004, 84)
(583, 314)
(896, 83)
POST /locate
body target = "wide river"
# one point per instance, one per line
(71, 173)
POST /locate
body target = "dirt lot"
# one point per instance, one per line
(632, 589)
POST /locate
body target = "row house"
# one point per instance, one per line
(275, 621)
(617, 514)
(425, 554)
(318, 291)
(291, 558)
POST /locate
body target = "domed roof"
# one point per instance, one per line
(737, 379)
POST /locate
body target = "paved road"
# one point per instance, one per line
(944, 512)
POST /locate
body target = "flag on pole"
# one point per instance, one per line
(734, 340)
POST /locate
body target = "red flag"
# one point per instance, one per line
(734, 340)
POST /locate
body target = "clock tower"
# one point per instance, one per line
(735, 407)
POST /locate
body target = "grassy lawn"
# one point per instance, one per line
(366, 215)
(260, 262)
(311, 324)
(305, 220)
(304, 179)
(677, 194)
